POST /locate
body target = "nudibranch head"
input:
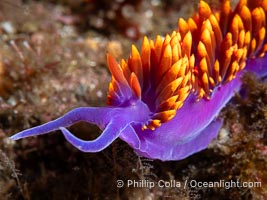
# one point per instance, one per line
(165, 100)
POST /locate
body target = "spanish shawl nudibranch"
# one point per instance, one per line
(164, 102)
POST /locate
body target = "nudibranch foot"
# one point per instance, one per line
(182, 149)
(200, 142)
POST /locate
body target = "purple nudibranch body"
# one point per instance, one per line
(190, 131)
(166, 106)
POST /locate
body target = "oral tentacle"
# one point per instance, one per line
(98, 116)
(110, 133)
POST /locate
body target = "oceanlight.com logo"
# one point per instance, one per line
(223, 184)
(186, 184)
